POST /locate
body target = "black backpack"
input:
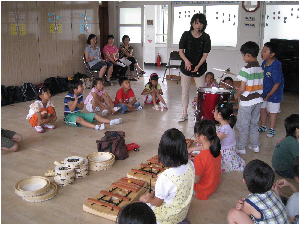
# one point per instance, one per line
(14, 94)
(28, 92)
(54, 85)
(64, 83)
(4, 96)
(79, 76)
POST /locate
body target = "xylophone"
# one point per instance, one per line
(108, 203)
(148, 171)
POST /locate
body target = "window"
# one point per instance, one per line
(222, 23)
(281, 21)
(130, 24)
(182, 19)
(162, 25)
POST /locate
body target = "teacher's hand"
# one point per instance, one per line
(196, 69)
(188, 65)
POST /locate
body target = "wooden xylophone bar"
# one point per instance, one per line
(115, 195)
(153, 167)
(111, 206)
(144, 172)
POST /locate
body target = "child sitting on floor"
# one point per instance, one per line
(153, 91)
(174, 187)
(42, 111)
(73, 106)
(292, 206)
(136, 213)
(262, 205)
(123, 97)
(231, 161)
(287, 149)
(208, 162)
(98, 95)
(9, 140)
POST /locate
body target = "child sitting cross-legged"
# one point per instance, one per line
(42, 112)
(174, 187)
(262, 205)
(123, 97)
(97, 96)
(73, 106)
(153, 93)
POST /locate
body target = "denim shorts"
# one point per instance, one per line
(124, 108)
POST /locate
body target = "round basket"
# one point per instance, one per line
(64, 182)
(32, 186)
(63, 170)
(100, 161)
(44, 197)
(74, 161)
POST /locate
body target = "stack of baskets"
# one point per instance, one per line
(100, 160)
(73, 167)
(36, 189)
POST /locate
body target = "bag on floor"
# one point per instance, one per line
(14, 94)
(113, 142)
(28, 92)
(79, 76)
(54, 85)
(64, 82)
(87, 83)
(4, 97)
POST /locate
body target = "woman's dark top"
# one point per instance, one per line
(194, 49)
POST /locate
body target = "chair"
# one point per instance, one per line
(174, 55)
(88, 69)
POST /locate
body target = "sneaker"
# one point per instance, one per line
(194, 103)
(49, 126)
(39, 129)
(165, 107)
(271, 132)
(100, 127)
(139, 108)
(255, 149)
(241, 152)
(183, 118)
(262, 129)
(156, 107)
(116, 121)
(104, 112)
(117, 108)
(109, 83)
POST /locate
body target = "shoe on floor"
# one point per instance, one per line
(49, 126)
(104, 112)
(116, 121)
(164, 107)
(262, 129)
(255, 149)
(241, 152)
(271, 132)
(117, 108)
(110, 83)
(39, 129)
(142, 72)
(183, 118)
(100, 127)
(156, 107)
(139, 108)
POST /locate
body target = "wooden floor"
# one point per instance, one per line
(38, 152)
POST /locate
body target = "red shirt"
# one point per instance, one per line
(122, 95)
(209, 168)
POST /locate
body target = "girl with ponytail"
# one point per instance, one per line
(231, 161)
(208, 162)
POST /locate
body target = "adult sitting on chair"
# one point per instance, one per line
(125, 52)
(93, 58)
(111, 56)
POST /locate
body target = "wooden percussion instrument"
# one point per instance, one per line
(108, 203)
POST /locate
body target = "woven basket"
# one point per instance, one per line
(99, 161)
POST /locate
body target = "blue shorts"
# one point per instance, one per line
(124, 108)
(71, 118)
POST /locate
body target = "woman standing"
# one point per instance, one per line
(126, 52)
(194, 47)
(93, 58)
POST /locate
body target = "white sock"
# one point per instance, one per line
(100, 127)
(112, 122)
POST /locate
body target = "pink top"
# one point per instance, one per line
(111, 50)
(89, 97)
